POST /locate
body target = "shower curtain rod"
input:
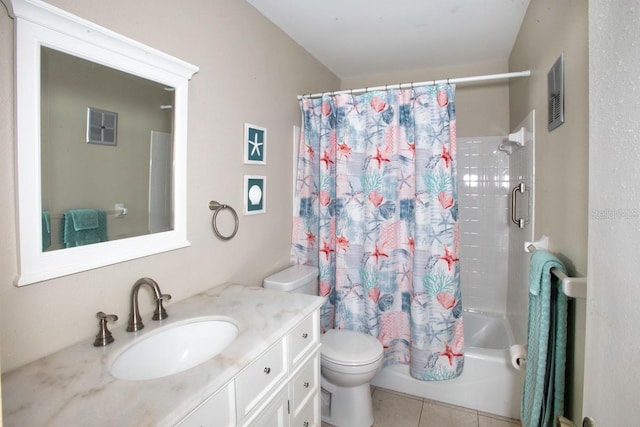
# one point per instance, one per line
(411, 85)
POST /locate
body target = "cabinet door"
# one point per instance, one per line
(259, 379)
(305, 383)
(276, 414)
(309, 415)
(217, 411)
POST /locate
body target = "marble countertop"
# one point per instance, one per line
(74, 386)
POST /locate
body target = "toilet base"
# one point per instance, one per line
(349, 406)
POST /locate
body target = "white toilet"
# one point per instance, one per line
(349, 360)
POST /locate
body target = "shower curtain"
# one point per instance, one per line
(377, 213)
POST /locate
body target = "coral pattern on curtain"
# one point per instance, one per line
(377, 213)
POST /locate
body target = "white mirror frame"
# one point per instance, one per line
(39, 24)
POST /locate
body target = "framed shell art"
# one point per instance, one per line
(255, 144)
(255, 192)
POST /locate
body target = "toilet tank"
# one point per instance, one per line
(297, 278)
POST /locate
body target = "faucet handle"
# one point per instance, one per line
(104, 336)
(160, 313)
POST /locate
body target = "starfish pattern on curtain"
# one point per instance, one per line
(377, 213)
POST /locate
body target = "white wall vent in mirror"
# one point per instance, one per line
(39, 27)
(102, 126)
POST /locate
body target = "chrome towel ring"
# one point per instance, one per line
(216, 208)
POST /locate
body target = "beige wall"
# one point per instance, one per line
(561, 156)
(482, 109)
(249, 72)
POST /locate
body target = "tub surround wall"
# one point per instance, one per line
(250, 71)
(74, 387)
(521, 168)
(483, 192)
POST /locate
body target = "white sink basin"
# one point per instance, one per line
(174, 348)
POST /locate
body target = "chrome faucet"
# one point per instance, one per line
(135, 321)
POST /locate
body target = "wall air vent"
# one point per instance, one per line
(555, 81)
(102, 126)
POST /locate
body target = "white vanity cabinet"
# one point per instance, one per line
(280, 388)
(277, 330)
(304, 392)
(275, 414)
(304, 386)
(217, 411)
(256, 383)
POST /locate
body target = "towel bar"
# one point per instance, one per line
(573, 287)
(115, 212)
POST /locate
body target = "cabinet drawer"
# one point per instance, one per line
(309, 415)
(217, 411)
(305, 383)
(303, 337)
(257, 380)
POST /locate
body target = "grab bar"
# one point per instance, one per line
(520, 222)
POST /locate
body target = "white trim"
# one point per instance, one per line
(39, 24)
(247, 160)
(53, 18)
(263, 195)
(296, 153)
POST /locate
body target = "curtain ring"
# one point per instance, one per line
(217, 207)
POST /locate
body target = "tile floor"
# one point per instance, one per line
(393, 409)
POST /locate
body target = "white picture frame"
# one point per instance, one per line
(255, 194)
(255, 144)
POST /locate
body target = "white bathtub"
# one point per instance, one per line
(488, 383)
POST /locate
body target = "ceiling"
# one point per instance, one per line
(355, 38)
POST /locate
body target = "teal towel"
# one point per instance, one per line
(46, 230)
(84, 219)
(71, 236)
(543, 394)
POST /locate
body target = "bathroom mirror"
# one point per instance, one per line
(100, 128)
(95, 159)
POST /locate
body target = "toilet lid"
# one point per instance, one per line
(345, 347)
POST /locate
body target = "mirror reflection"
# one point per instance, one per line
(106, 153)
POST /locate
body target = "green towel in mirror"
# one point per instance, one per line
(76, 230)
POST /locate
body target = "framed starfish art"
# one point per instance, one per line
(255, 144)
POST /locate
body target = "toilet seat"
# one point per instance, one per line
(349, 370)
(350, 348)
